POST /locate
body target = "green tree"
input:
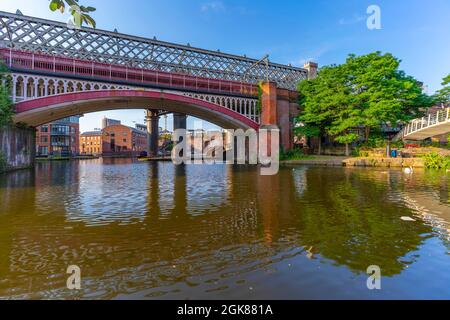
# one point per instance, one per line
(443, 95)
(6, 111)
(80, 13)
(319, 98)
(383, 93)
(365, 92)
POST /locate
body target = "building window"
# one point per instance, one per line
(43, 151)
(44, 139)
(44, 129)
(59, 129)
(74, 119)
(59, 141)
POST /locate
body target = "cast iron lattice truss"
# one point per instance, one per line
(39, 35)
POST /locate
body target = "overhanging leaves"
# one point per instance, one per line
(80, 13)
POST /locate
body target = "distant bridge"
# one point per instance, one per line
(435, 124)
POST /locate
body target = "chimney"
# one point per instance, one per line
(312, 69)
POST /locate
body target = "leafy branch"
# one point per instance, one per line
(81, 14)
(443, 95)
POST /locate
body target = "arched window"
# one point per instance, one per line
(51, 90)
(60, 87)
(70, 87)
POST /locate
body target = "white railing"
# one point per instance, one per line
(433, 119)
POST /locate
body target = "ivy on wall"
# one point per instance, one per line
(260, 93)
(3, 163)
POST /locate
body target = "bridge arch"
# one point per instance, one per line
(43, 110)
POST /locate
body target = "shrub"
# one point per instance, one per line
(360, 152)
(6, 104)
(6, 110)
(377, 142)
(3, 163)
(436, 161)
(295, 154)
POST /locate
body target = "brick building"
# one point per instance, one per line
(106, 122)
(91, 143)
(122, 140)
(58, 138)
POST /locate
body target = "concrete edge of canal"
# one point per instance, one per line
(360, 162)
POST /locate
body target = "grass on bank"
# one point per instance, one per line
(295, 154)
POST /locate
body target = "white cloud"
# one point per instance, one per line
(218, 6)
(213, 6)
(314, 55)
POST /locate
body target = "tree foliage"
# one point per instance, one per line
(443, 95)
(260, 94)
(80, 13)
(365, 92)
(6, 110)
(436, 161)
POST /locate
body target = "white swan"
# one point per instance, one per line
(409, 170)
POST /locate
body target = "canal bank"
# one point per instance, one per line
(416, 157)
(385, 162)
(330, 161)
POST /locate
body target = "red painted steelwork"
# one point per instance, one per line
(86, 96)
(40, 62)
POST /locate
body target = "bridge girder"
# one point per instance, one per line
(29, 87)
(35, 112)
(39, 35)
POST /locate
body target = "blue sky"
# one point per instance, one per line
(290, 31)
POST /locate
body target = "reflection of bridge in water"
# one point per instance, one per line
(172, 229)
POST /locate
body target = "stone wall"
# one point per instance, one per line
(17, 148)
(385, 162)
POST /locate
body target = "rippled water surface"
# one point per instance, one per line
(156, 231)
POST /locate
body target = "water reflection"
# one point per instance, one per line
(150, 230)
(350, 219)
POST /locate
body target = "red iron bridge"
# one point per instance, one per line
(57, 71)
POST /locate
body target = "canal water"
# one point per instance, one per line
(159, 231)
